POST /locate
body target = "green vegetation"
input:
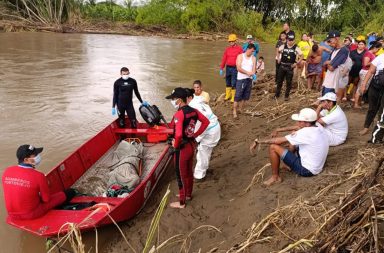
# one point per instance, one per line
(108, 10)
(262, 18)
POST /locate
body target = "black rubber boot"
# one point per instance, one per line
(133, 123)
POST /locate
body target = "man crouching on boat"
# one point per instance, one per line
(26, 191)
(184, 122)
(307, 151)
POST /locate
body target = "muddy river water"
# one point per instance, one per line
(56, 91)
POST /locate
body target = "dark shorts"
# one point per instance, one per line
(326, 90)
(243, 89)
(315, 68)
(294, 162)
(231, 76)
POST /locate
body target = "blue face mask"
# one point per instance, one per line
(37, 160)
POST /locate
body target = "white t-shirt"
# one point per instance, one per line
(331, 78)
(205, 97)
(344, 71)
(313, 147)
(378, 62)
(336, 126)
(260, 65)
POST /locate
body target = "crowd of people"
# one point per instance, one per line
(350, 69)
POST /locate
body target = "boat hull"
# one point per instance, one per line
(67, 172)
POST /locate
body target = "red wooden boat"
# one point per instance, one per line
(67, 172)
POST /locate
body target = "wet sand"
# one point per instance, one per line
(220, 200)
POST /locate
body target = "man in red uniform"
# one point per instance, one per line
(229, 61)
(184, 122)
(26, 191)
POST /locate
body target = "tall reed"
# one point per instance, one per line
(48, 12)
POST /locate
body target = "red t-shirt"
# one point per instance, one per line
(24, 189)
(230, 55)
(352, 47)
(369, 55)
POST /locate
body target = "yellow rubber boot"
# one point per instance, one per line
(233, 93)
(227, 93)
(350, 89)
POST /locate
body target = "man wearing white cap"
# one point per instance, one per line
(307, 151)
(333, 119)
(251, 40)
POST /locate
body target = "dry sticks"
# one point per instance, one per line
(350, 226)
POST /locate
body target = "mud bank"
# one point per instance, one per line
(251, 217)
(108, 28)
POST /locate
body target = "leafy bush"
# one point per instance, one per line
(161, 12)
(207, 15)
(109, 11)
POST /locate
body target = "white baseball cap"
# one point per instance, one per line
(306, 114)
(328, 96)
(249, 36)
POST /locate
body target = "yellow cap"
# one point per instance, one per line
(232, 37)
(360, 38)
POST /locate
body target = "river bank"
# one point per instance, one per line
(299, 211)
(106, 27)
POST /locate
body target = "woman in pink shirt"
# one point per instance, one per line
(366, 63)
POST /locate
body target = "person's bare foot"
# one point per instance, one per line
(176, 205)
(364, 131)
(356, 107)
(272, 180)
(234, 114)
(186, 198)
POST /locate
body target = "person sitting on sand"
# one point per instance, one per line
(307, 151)
(260, 66)
(331, 116)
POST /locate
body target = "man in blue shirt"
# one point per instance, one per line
(250, 40)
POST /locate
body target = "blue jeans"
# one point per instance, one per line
(231, 76)
(326, 90)
(294, 162)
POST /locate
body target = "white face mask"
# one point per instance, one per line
(174, 104)
(125, 77)
(37, 159)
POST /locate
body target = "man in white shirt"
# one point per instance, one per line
(307, 152)
(333, 119)
(246, 71)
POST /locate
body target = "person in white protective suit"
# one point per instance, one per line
(208, 139)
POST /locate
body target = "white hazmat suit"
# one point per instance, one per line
(208, 139)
